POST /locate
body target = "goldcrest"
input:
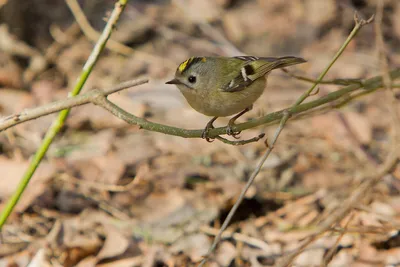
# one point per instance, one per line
(224, 86)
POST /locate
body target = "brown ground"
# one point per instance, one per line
(110, 194)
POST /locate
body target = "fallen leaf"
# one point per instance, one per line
(114, 245)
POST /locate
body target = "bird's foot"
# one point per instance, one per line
(231, 123)
(231, 132)
(206, 130)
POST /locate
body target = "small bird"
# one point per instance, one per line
(224, 86)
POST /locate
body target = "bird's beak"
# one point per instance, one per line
(173, 81)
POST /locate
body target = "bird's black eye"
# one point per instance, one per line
(192, 79)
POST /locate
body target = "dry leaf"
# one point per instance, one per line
(114, 245)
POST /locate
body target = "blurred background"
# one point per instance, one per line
(110, 194)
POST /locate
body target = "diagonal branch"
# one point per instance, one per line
(285, 116)
(370, 180)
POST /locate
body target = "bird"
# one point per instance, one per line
(225, 86)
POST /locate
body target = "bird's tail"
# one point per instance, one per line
(282, 62)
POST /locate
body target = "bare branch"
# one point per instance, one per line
(34, 113)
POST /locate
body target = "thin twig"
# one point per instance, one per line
(241, 142)
(59, 122)
(358, 25)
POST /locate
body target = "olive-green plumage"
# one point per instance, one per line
(223, 86)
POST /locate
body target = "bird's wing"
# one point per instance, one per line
(252, 69)
(257, 67)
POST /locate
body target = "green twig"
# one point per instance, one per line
(357, 27)
(59, 122)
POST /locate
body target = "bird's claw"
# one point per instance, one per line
(205, 132)
(231, 132)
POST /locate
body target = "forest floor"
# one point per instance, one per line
(110, 194)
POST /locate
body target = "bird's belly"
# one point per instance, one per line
(222, 104)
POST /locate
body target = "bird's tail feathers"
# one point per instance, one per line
(282, 62)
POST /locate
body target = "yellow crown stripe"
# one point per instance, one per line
(183, 65)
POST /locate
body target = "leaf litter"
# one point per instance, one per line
(109, 194)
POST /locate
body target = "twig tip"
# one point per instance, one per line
(360, 21)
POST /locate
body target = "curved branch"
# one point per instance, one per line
(369, 84)
(98, 97)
